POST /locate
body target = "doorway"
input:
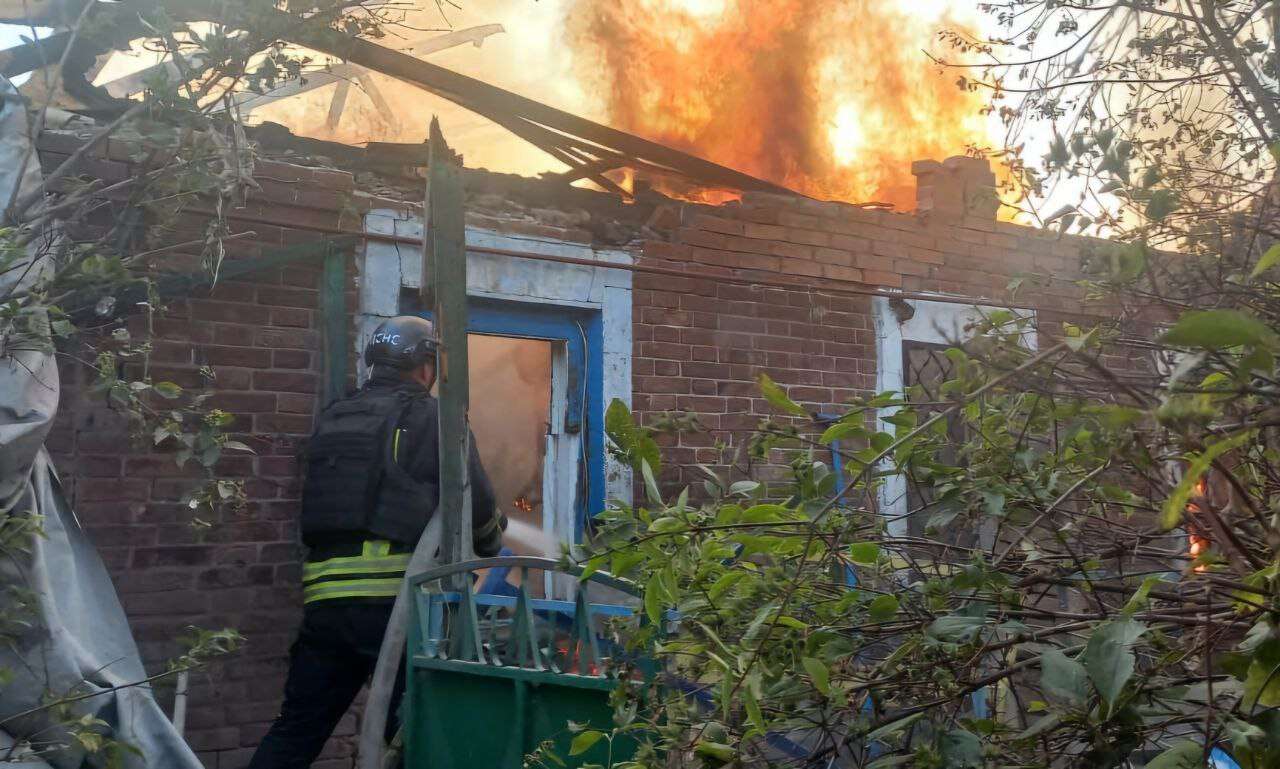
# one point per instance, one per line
(511, 411)
(536, 374)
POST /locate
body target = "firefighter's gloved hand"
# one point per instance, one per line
(487, 537)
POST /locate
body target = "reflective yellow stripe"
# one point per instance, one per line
(374, 557)
(352, 588)
(373, 548)
(395, 446)
(353, 565)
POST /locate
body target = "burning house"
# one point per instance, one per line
(577, 298)
(670, 287)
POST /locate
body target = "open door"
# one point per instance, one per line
(534, 392)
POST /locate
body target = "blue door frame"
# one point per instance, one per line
(581, 331)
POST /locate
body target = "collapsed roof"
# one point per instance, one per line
(588, 148)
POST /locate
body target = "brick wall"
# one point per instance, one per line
(699, 343)
(260, 335)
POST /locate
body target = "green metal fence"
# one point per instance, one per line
(491, 676)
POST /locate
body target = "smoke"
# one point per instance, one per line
(830, 97)
(510, 397)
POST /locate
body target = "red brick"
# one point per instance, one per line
(706, 370)
(807, 237)
(150, 557)
(292, 338)
(296, 404)
(288, 297)
(291, 359)
(244, 402)
(909, 267)
(94, 466)
(228, 312)
(228, 334)
(841, 272)
(892, 249)
(296, 382)
(290, 316)
(661, 384)
(882, 278)
(850, 243)
(296, 424)
(112, 489)
(718, 224)
(703, 238)
(833, 256)
(764, 231)
(244, 357)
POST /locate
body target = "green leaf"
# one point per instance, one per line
(842, 430)
(883, 608)
(167, 390)
(1268, 260)
(715, 750)
(618, 421)
(1218, 329)
(1161, 204)
(584, 742)
(993, 503)
(1183, 755)
(866, 553)
(1262, 683)
(1108, 656)
(236, 446)
(893, 727)
(961, 750)
(726, 581)
(765, 514)
(650, 483)
(1063, 677)
(752, 704)
(777, 397)
(1176, 505)
(593, 565)
(667, 524)
(1043, 724)
(817, 670)
(1139, 598)
(955, 627)
(655, 595)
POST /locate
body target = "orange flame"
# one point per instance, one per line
(830, 98)
(1197, 544)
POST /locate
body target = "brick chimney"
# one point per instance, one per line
(957, 187)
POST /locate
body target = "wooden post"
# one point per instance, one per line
(444, 288)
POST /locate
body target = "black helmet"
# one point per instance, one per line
(404, 342)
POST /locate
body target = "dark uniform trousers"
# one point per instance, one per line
(333, 658)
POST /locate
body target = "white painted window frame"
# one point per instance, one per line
(933, 322)
(387, 267)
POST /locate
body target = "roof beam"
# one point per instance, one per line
(505, 107)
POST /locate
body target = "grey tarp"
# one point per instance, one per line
(79, 640)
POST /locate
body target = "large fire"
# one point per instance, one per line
(832, 98)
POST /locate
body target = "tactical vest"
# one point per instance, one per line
(354, 486)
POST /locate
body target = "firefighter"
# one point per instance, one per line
(372, 472)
